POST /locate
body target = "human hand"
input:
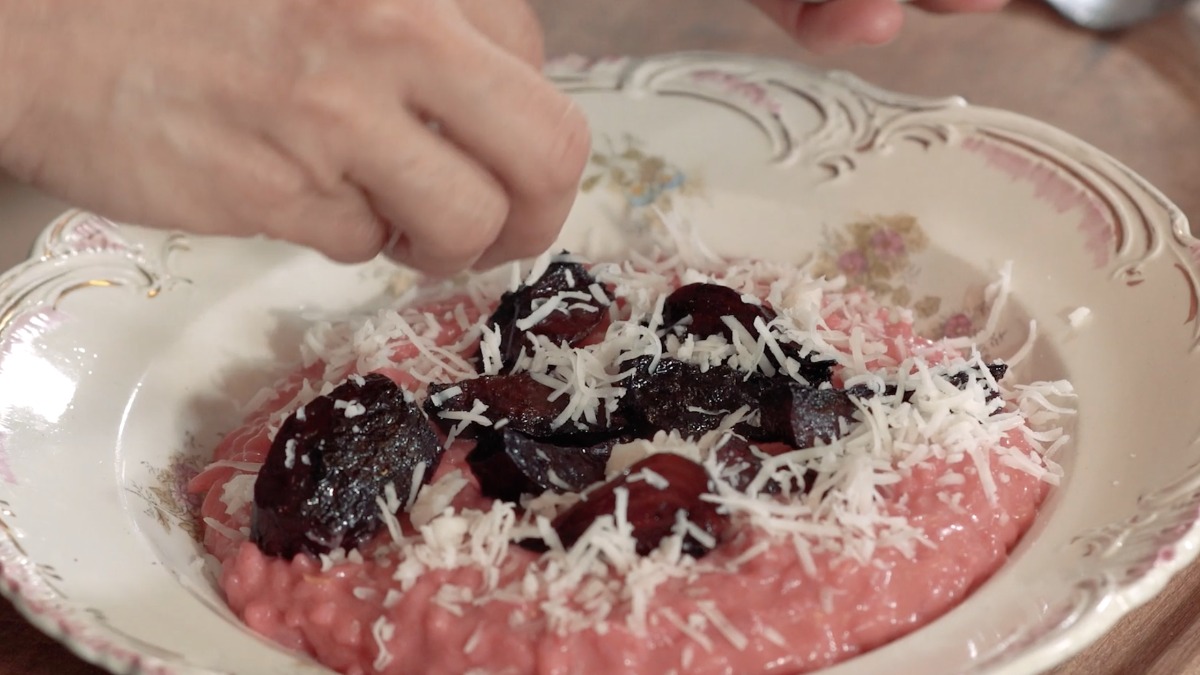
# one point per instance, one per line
(829, 26)
(423, 126)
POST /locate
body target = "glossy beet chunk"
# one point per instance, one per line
(652, 508)
(518, 398)
(673, 395)
(509, 464)
(330, 463)
(800, 415)
(700, 309)
(580, 313)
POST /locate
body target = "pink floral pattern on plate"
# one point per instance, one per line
(1052, 186)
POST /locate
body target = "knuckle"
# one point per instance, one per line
(529, 43)
(327, 101)
(417, 29)
(511, 25)
(385, 20)
(268, 196)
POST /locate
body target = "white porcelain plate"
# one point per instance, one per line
(124, 353)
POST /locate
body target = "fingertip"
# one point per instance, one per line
(354, 241)
(343, 227)
(510, 248)
(961, 6)
(840, 24)
(882, 25)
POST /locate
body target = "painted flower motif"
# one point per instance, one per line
(958, 325)
(876, 254)
(166, 497)
(888, 243)
(643, 180)
(852, 263)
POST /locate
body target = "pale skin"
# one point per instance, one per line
(422, 129)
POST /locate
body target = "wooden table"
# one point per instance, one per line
(1135, 95)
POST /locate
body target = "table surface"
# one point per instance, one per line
(1135, 95)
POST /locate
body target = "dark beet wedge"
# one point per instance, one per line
(799, 415)
(520, 399)
(509, 464)
(329, 464)
(678, 396)
(581, 313)
(651, 509)
(699, 309)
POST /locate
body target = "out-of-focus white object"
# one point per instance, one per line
(1108, 15)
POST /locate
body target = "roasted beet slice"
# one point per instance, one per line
(509, 464)
(674, 484)
(678, 396)
(707, 305)
(578, 311)
(799, 415)
(518, 398)
(741, 464)
(699, 309)
(331, 461)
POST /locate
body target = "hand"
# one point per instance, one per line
(837, 24)
(419, 126)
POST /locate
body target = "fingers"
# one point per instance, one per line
(531, 137)
(837, 24)
(442, 210)
(282, 202)
(489, 179)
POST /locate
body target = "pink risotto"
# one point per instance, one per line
(669, 464)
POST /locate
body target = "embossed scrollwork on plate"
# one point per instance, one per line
(80, 251)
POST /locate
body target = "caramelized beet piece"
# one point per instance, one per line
(520, 399)
(651, 508)
(327, 466)
(743, 460)
(798, 415)
(707, 304)
(509, 464)
(679, 396)
(580, 315)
